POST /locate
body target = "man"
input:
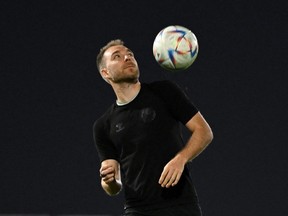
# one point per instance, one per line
(139, 142)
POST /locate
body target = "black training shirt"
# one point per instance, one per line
(143, 136)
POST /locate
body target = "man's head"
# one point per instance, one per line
(116, 63)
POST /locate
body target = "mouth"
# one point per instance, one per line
(129, 65)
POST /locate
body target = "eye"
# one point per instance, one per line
(116, 56)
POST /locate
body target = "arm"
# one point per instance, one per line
(201, 136)
(110, 177)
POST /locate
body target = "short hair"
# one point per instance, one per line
(99, 59)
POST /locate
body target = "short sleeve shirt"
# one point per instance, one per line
(143, 136)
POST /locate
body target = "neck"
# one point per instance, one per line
(126, 92)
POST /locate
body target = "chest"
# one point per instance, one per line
(138, 126)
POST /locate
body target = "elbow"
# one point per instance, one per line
(209, 136)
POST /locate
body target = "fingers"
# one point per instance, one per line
(108, 178)
(169, 178)
(107, 173)
(172, 172)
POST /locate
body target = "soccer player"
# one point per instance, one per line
(139, 140)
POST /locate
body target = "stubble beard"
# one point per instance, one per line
(131, 78)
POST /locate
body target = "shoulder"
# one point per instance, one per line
(104, 118)
(166, 88)
(163, 85)
(175, 99)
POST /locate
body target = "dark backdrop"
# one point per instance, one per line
(51, 93)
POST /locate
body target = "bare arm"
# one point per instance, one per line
(201, 136)
(110, 177)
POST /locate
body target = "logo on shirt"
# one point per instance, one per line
(148, 114)
(119, 127)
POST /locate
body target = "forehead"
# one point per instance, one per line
(115, 49)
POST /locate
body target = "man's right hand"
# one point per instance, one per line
(107, 171)
(110, 176)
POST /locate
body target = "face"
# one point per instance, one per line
(120, 65)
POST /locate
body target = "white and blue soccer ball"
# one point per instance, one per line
(175, 48)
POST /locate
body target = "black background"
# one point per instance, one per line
(51, 93)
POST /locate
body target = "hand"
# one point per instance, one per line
(172, 172)
(107, 173)
(110, 177)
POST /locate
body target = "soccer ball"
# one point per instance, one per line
(175, 48)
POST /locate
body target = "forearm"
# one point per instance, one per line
(112, 188)
(199, 140)
(201, 137)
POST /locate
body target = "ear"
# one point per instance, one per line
(104, 73)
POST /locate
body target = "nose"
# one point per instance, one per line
(127, 58)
